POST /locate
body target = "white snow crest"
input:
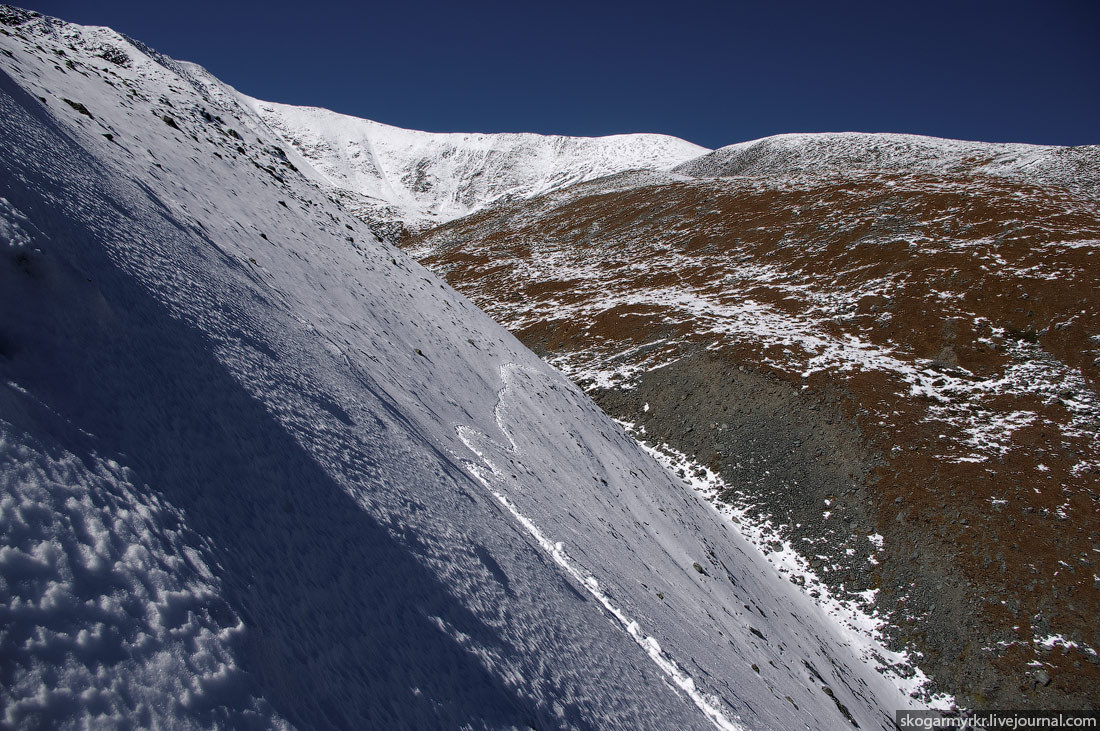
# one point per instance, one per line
(420, 177)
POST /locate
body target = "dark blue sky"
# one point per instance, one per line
(711, 72)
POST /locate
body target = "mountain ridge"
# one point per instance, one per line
(816, 154)
(415, 179)
(394, 177)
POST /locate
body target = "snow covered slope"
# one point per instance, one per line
(260, 469)
(843, 153)
(422, 178)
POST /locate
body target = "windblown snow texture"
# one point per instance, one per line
(260, 469)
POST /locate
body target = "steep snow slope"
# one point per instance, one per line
(847, 152)
(259, 469)
(422, 178)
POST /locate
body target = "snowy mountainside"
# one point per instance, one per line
(260, 469)
(841, 153)
(423, 178)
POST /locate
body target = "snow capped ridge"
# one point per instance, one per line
(843, 152)
(423, 178)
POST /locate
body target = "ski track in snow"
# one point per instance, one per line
(667, 665)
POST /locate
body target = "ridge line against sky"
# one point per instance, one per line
(713, 73)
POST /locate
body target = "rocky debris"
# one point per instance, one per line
(787, 455)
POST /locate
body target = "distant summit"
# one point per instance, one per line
(418, 179)
(841, 153)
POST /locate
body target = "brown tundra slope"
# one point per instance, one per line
(886, 348)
